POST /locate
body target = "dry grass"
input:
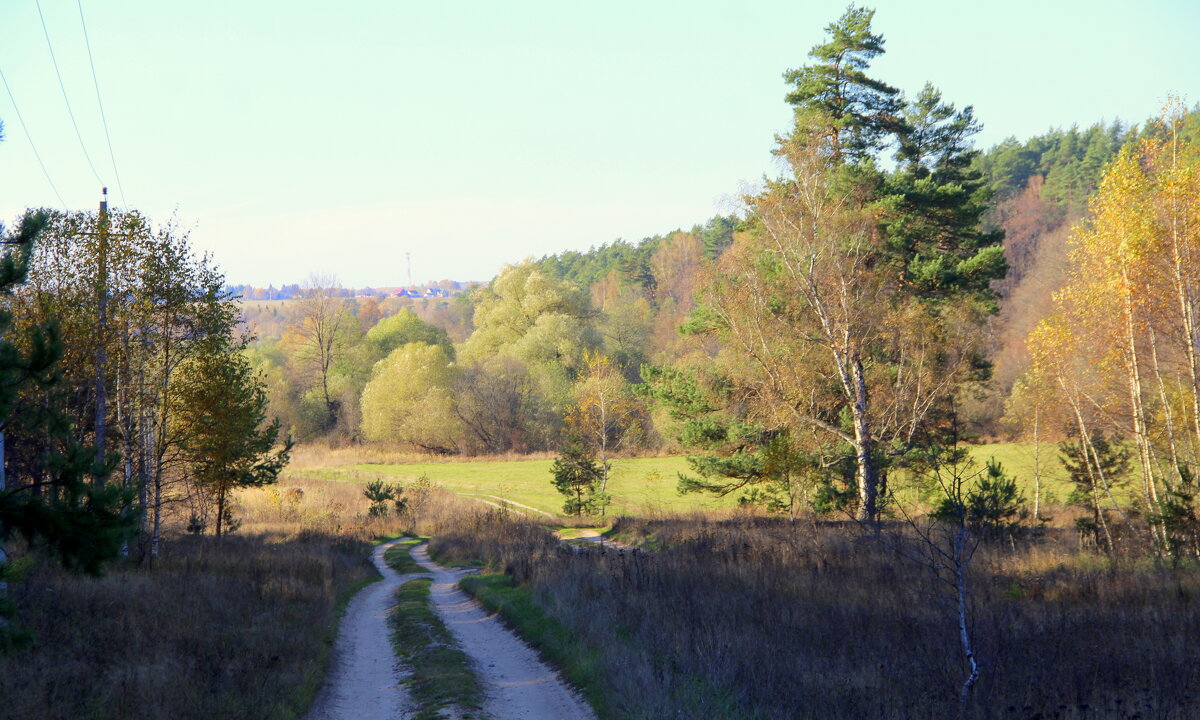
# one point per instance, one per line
(237, 627)
(315, 455)
(752, 618)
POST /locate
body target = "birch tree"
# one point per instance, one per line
(1129, 309)
(853, 308)
(605, 414)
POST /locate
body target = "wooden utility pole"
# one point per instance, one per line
(102, 334)
(3, 555)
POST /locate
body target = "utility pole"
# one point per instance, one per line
(3, 554)
(102, 333)
(408, 261)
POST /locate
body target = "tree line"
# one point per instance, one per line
(128, 397)
(809, 351)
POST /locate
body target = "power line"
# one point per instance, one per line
(29, 137)
(63, 87)
(99, 102)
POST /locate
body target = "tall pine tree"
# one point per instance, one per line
(855, 112)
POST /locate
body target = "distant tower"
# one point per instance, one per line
(408, 259)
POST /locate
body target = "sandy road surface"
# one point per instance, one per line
(364, 677)
(519, 686)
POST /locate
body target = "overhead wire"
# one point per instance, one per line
(32, 146)
(103, 119)
(62, 86)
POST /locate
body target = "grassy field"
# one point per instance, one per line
(642, 486)
(638, 485)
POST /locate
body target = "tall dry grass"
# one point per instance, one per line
(235, 627)
(319, 456)
(753, 618)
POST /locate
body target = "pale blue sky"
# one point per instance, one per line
(301, 136)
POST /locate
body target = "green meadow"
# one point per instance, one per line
(638, 485)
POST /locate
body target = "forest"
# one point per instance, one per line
(837, 363)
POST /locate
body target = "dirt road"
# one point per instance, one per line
(519, 686)
(364, 677)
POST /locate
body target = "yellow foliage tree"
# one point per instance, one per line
(409, 400)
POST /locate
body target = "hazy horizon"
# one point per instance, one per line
(295, 137)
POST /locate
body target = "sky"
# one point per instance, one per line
(293, 137)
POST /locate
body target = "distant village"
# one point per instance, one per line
(440, 289)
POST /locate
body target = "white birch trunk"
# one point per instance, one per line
(864, 446)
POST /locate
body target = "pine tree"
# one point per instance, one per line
(933, 205)
(578, 477)
(855, 112)
(229, 444)
(1095, 465)
(853, 307)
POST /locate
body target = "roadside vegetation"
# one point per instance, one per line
(234, 627)
(237, 628)
(580, 664)
(757, 618)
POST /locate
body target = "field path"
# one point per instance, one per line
(519, 686)
(364, 677)
(506, 502)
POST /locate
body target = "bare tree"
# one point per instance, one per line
(322, 316)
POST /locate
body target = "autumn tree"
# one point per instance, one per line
(402, 328)
(543, 324)
(54, 505)
(321, 338)
(165, 306)
(606, 414)
(1125, 319)
(539, 320)
(409, 400)
(854, 306)
(497, 401)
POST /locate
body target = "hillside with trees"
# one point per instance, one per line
(915, 432)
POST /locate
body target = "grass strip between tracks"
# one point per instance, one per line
(399, 559)
(442, 677)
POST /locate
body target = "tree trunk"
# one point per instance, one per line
(1168, 412)
(1183, 263)
(1137, 410)
(866, 474)
(126, 422)
(964, 627)
(220, 511)
(157, 514)
(1093, 469)
(603, 455)
(1037, 461)
(143, 490)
